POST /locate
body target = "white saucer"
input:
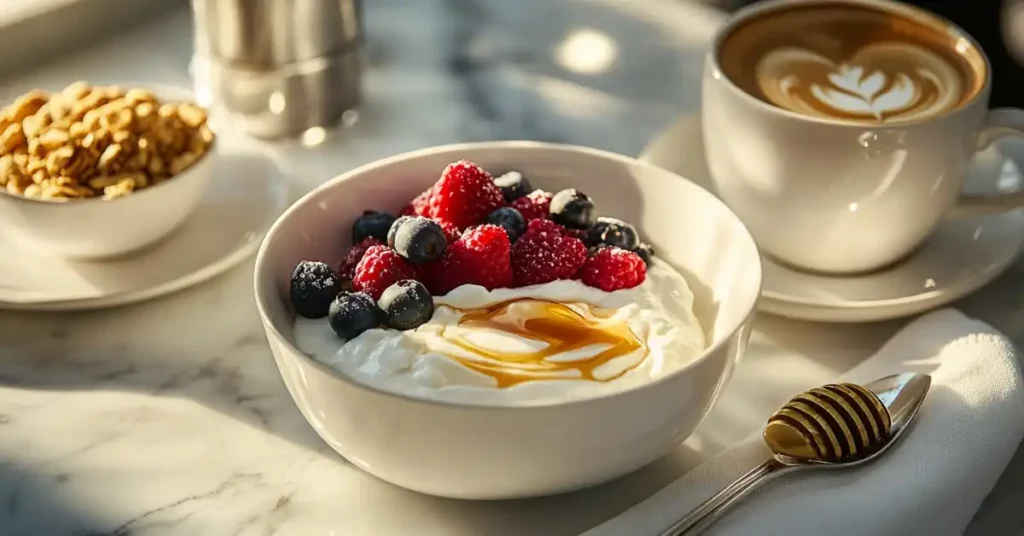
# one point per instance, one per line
(961, 256)
(246, 194)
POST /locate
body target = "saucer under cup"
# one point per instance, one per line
(961, 256)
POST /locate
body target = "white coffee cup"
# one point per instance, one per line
(835, 196)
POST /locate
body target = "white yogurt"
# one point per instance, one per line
(426, 363)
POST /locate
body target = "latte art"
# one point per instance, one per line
(855, 61)
(884, 81)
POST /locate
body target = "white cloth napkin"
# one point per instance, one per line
(931, 483)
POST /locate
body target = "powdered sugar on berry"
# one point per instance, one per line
(420, 362)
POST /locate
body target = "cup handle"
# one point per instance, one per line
(999, 123)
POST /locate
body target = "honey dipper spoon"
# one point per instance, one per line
(831, 427)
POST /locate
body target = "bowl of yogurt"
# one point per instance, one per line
(528, 390)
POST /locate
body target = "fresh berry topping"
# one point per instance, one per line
(313, 287)
(612, 232)
(646, 252)
(394, 229)
(464, 195)
(451, 232)
(419, 240)
(406, 305)
(575, 233)
(544, 253)
(509, 219)
(352, 313)
(420, 205)
(613, 269)
(533, 206)
(353, 256)
(513, 185)
(573, 209)
(479, 257)
(372, 223)
(380, 268)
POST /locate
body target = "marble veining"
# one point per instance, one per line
(169, 417)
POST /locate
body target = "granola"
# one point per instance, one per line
(97, 141)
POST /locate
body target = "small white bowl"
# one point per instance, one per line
(97, 228)
(487, 452)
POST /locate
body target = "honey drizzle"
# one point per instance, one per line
(561, 327)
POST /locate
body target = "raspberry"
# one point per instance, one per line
(419, 206)
(355, 254)
(380, 268)
(464, 195)
(534, 206)
(451, 232)
(479, 257)
(545, 253)
(611, 268)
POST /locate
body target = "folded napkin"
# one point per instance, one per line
(932, 482)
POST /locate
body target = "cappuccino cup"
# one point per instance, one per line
(840, 130)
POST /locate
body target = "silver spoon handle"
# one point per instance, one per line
(710, 510)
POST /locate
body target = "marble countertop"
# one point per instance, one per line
(169, 417)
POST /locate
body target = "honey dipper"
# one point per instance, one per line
(831, 427)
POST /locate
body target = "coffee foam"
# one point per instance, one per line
(880, 82)
(852, 63)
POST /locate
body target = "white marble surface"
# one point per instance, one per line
(169, 417)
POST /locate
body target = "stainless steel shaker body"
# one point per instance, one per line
(279, 67)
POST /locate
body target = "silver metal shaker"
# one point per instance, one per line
(278, 67)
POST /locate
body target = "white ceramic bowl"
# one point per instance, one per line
(481, 452)
(97, 228)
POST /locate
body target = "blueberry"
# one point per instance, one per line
(573, 209)
(646, 253)
(613, 232)
(509, 219)
(313, 286)
(420, 240)
(394, 229)
(406, 305)
(372, 223)
(513, 185)
(352, 313)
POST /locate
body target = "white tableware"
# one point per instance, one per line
(966, 433)
(960, 257)
(835, 196)
(245, 194)
(97, 228)
(480, 452)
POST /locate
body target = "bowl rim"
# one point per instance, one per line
(261, 262)
(163, 93)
